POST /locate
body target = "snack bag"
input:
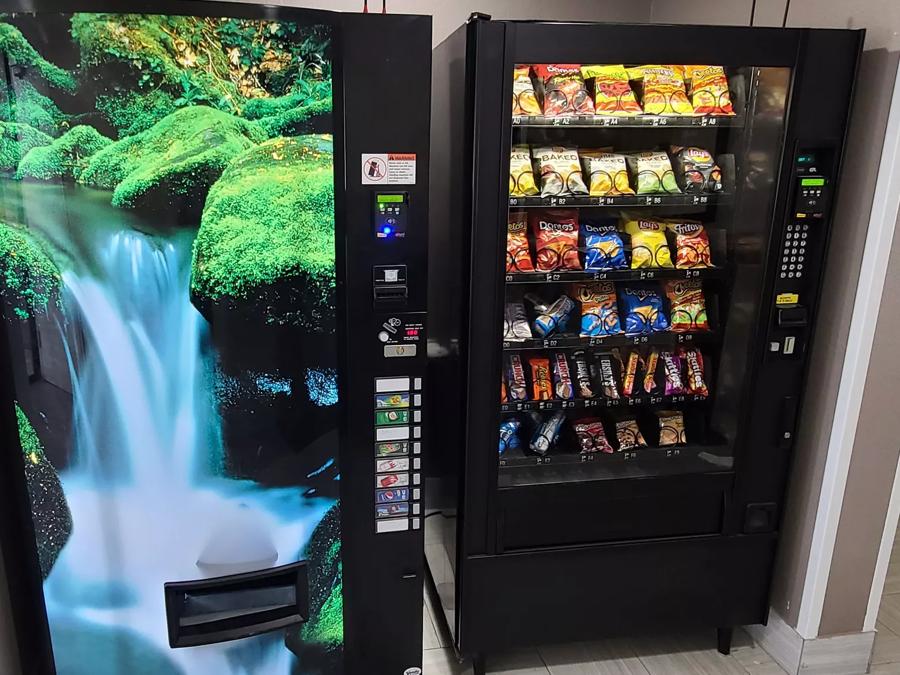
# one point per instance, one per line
(691, 245)
(671, 428)
(631, 377)
(560, 170)
(509, 436)
(687, 304)
(696, 170)
(612, 91)
(694, 380)
(628, 434)
(516, 388)
(652, 173)
(642, 307)
(518, 254)
(662, 90)
(515, 323)
(599, 315)
(672, 370)
(546, 433)
(555, 318)
(521, 173)
(603, 247)
(564, 90)
(649, 248)
(651, 363)
(541, 387)
(607, 173)
(562, 380)
(708, 89)
(584, 385)
(608, 375)
(592, 436)
(556, 239)
(524, 99)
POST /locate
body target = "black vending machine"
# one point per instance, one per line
(628, 236)
(213, 234)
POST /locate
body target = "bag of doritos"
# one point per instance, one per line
(708, 89)
(564, 90)
(641, 307)
(603, 248)
(662, 90)
(521, 173)
(524, 99)
(649, 248)
(612, 91)
(560, 171)
(555, 239)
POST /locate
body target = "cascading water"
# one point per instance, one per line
(148, 501)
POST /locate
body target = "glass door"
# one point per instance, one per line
(640, 201)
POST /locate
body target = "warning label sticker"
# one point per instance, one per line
(389, 168)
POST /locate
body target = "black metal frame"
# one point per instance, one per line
(382, 576)
(538, 590)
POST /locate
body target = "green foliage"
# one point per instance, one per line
(132, 112)
(64, 157)
(178, 158)
(15, 142)
(304, 119)
(20, 52)
(32, 448)
(268, 219)
(324, 631)
(30, 278)
(28, 106)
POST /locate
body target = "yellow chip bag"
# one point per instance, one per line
(708, 89)
(521, 173)
(560, 171)
(649, 248)
(612, 91)
(662, 88)
(607, 173)
(524, 99)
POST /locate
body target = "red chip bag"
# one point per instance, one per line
(518, 256)
(556, 239)
(564, 90)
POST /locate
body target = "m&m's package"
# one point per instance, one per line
(556, 239)
(564, 90)
(649, 248)
(612, 91)
(691, 245)
(687, 305)
(641, 306)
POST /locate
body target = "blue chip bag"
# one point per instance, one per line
(509, 437)
(599, 315)
(603, 247)
(642, 307)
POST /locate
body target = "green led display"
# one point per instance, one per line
(812, 182)
(390, 199)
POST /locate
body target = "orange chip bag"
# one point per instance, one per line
(708, 89)
(691, 245)
(612, 92)
(564, 90)
(662, 90)
(524, 99)
(518, 256)
(555, 239)
(688, 306)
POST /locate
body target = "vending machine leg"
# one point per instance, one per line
(479, 666)
(724, 639)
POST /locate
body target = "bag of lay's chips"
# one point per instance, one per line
(612, 91)
(524, 99)
(691, 245)
(662, 90)
(708, 89)
(564, 90)
(607, 173)
(603, 247)
(599, 315)
(560, 171)
(696, 170)
(649, 248)
(521, 173)
(652, 173)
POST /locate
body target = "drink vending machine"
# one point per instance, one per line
(213, 232)
(628, 240)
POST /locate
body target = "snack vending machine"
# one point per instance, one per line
(625, 273)
(212, 342)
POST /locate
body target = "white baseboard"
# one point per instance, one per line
(844, 654)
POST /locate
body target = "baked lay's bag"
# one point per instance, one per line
(518, 255)
(662, 90)
(652, 173)
(649, 248)
(708, 89)
(612, 90)
(691, 245)
(607, 173)
(524, 99)
(560, 170)
(521, 173)
(564, 90)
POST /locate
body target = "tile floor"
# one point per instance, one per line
(886, 654)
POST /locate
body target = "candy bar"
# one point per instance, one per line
(541, 387)
(517, 389)
(562, 380)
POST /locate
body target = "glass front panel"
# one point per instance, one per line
(168, 273)
(638, 224)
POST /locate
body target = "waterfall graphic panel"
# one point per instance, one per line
(167, 269)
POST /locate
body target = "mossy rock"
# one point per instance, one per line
(131, 112)
(30, 279)
(304, 119)
(267, 233)
(28, 106)
(50, 511)
(16, 140)
(21, 53)
(175, 161)
(65, 157)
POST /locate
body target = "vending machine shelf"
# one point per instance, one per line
(599, 403)
(623, 201)
(637, 121)
(565, 277)
(577, 342)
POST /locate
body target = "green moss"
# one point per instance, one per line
(29, 277)
(304, 119)
(174, 161)
(64, 157)
(28, 106)
(15, 142)
(20, 52)
(32, 448)
(269, 220)
(132, 112)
